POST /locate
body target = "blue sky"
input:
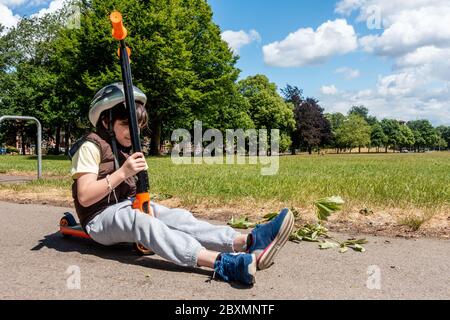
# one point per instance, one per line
(393, 56)
(274, 20)
(391, 76)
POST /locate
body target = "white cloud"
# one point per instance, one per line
(405, 24)
(54, 6)
(399, 84)
(346, 7)
(329, 90)
(348, 73)
(411, 29)
(306, 46)
(7, 18)
(12, 3)
(237, 39)
(18, 3)
(415, 34)
(387, 8)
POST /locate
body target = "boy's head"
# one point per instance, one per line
(108, 106)
(119, 117)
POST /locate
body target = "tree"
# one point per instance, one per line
(406, 137)
(354, 132)
(335, 120)
(377, 137)
(424, 134)
(444, 133)
(364, 113)
(178, 59)
(267, 110)
(293, 95)
(312, 128)
(391, 129)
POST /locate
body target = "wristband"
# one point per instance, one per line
(111, 189)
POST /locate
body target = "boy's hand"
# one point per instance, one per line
(133, 165)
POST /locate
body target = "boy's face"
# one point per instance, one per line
(122, 131)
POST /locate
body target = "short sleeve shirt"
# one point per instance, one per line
(87, 160)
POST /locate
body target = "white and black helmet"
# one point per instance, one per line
(110, 96)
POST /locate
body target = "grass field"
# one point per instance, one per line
(381, 181)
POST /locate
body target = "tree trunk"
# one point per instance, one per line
(36, 144)
(66, 139)
(310, 150)
(58, 139)
(22, 138)
(155, 137)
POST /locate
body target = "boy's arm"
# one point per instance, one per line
(90, 190)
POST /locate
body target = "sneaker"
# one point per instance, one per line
(239, 267)
(267, 239)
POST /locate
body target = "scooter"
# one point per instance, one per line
(69, 227)
(68, 224)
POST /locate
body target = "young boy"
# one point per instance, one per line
(103, 184)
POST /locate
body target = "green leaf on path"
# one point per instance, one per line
(326, 206)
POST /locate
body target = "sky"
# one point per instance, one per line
(392, 56)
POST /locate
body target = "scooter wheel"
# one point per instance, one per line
(64, 222)
(70, 219)
(141, 250)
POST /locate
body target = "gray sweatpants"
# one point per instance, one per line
(173, 234)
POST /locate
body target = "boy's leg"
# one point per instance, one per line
(120, 223)
(212, 237)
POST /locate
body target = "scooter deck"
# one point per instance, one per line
(68, 226)
(76, 231)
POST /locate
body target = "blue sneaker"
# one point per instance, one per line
(269, 238)
(239, 267)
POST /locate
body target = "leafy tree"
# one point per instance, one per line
(377, 137)
(444, 133)
(335, 120)
(364, 113)
(424, 133)
(312, 129)
(354, 132)
(391, 129)
(406, 137)
(267, 109)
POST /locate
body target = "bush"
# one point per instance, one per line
(285, 143)
(11, 149)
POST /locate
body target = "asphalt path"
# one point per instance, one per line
(37, 263)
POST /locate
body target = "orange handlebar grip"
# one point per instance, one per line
(119, 32)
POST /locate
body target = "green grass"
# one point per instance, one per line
(389, 181)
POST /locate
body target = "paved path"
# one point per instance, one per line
(36, 263)
(16, 179)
